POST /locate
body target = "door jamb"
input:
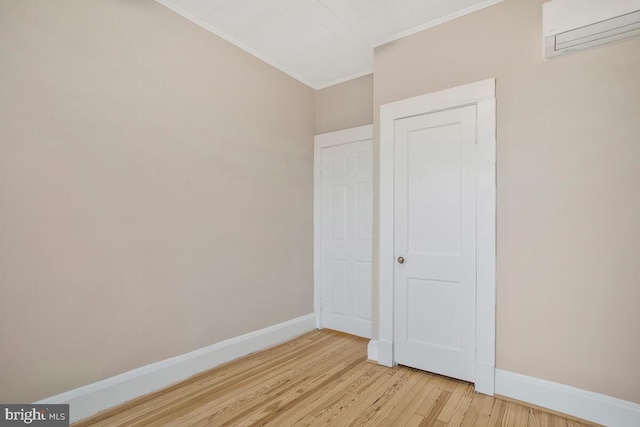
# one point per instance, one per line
(481, 94)
(330, 139)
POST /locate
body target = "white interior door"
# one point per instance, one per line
(435, 174)
(345, 237)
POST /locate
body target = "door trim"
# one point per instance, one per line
(482, 95)
(330, 139)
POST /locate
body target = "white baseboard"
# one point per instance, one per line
(93, 398)
(590, 406)
(372, 350)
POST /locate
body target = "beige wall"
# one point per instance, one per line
(345, 105)
(568, 175)
(152, 199)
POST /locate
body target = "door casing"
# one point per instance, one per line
(482, 95)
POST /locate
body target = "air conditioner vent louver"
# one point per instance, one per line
(571, 25)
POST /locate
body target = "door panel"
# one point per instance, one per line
(435, 233)
(338, 212)
(433, 208)
(346, 237)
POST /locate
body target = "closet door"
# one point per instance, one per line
(435, 176)
(346, 236)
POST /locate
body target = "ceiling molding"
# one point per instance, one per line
(345, 79)
(438, 21)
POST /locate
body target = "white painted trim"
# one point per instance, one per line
(590, 406)
(481, 94)
(180, 11)
(435, 22)
(485, 377)
(385, 353)
(93, 398)
(330, 139)
(344, 79)
(372, 350)
(486, 211)
(345, 136)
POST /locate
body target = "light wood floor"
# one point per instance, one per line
(321, 378)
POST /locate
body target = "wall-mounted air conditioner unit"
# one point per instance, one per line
(570, 25)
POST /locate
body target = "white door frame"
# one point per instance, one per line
(482, 95)
(330, 139)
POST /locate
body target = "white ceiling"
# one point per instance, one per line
(319, 42)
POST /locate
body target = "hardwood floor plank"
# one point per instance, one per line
(538, 418)
(486, 407)
(473, 417)
(263, 413)
(463, 406)
(458, 392)
(510, 416)
(522, 416)
(414, 421)
(337, 405)
(362, 411)
(334, 398)
(438, 386)
(322, 378)
(264, 394)
(403, 411)
(497, 413)
(432, 416)
(395, 400)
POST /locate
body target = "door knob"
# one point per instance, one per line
(401, 260)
